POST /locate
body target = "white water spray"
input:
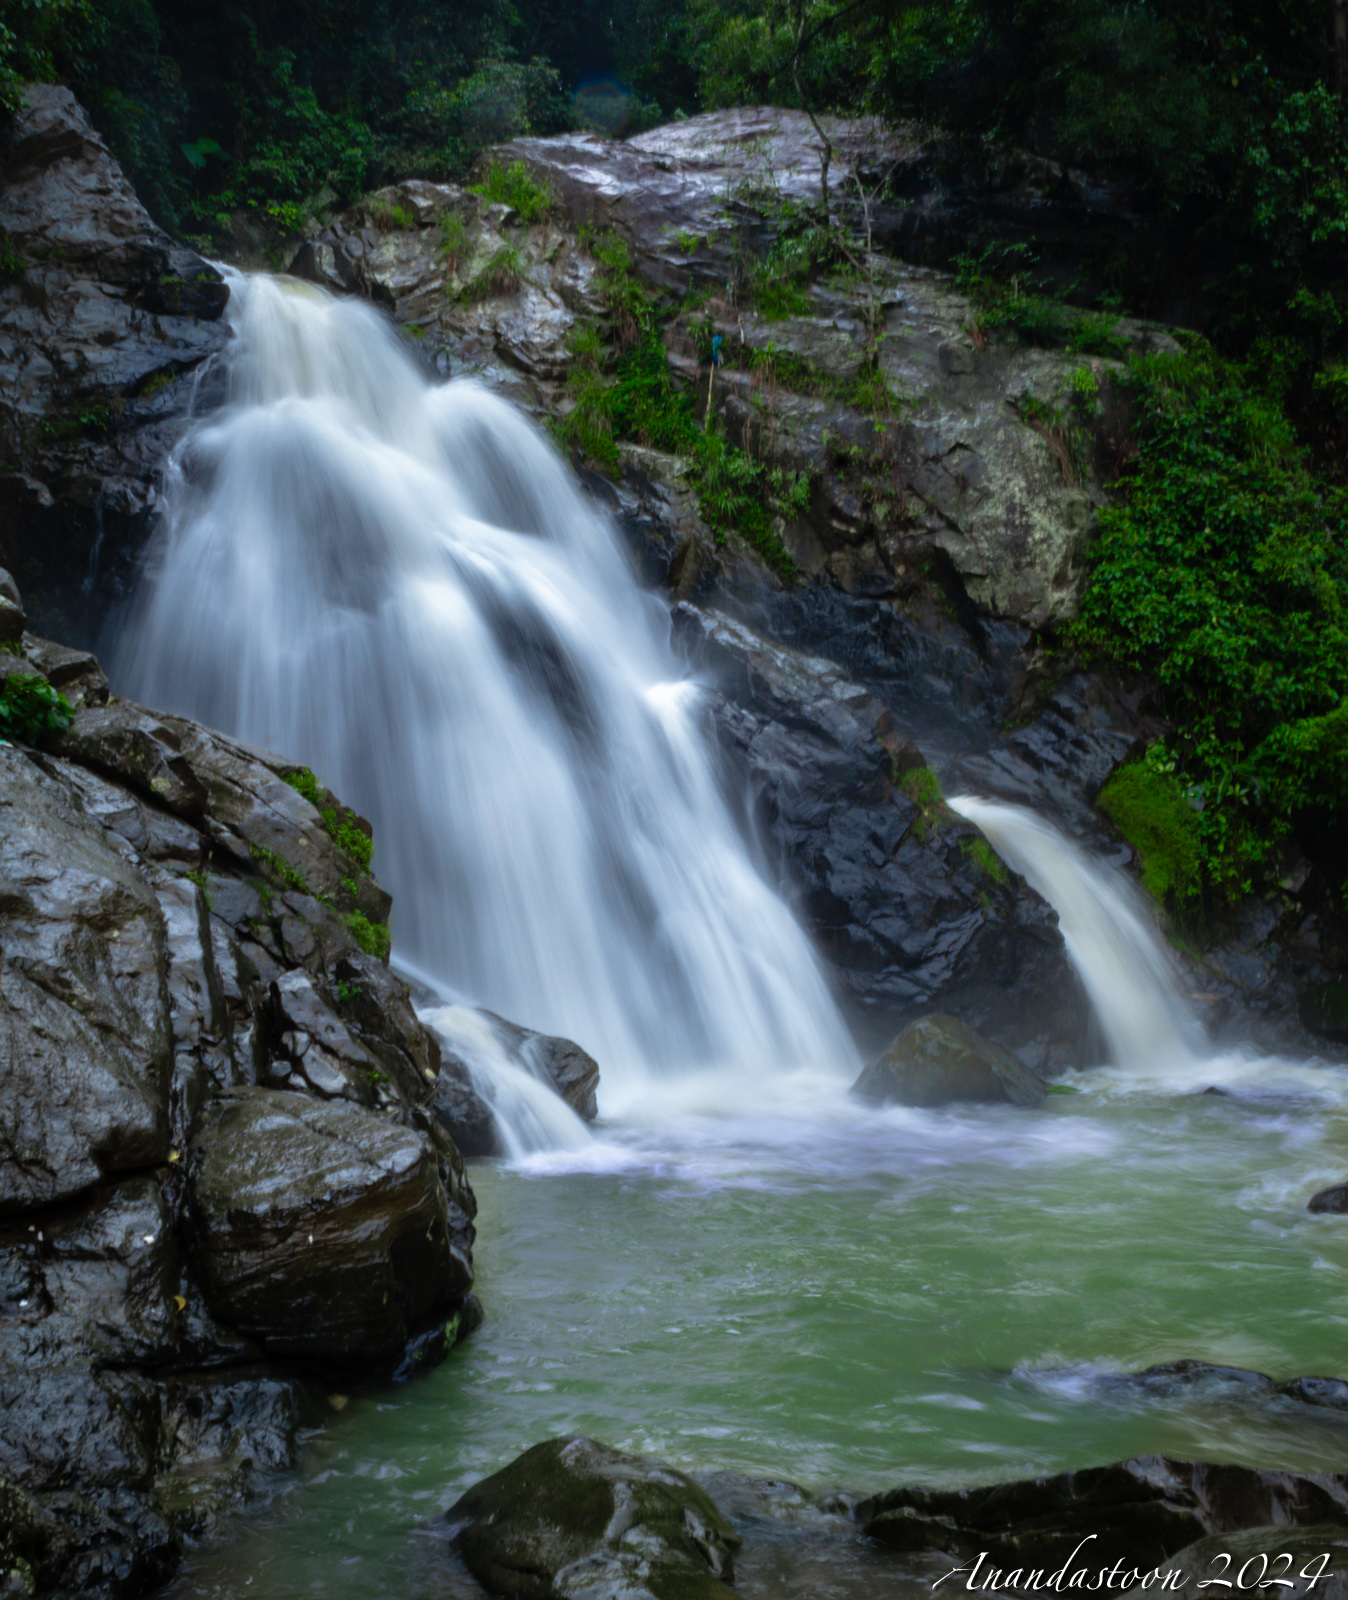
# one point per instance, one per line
(398, 584)
(1111, 940)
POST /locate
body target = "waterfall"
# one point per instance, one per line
(397, 583)
(1110, 936)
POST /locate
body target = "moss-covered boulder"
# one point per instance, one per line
(575, 1518)
(939, 1061)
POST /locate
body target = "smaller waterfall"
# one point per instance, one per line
(1110, 937)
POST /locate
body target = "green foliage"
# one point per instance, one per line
(11, 262)
(514, 186)
(1010, 298)
(1222, 572)
(374, 938)
(638, 400)
(1148, 805)
(339, 827)
(204, 884)
(31, 711)
(347, 992)
(453, 238)
(286, 875)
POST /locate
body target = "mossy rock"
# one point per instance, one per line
(1151, 811)
(572, 1517)
(940, 1061)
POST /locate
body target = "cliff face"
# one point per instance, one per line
(106, 325)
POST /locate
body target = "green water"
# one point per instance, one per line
(857, 1299)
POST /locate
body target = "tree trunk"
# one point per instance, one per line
(1338, 33)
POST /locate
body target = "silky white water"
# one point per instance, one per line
(1110, 936)
(396, 583)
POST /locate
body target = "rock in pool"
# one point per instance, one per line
(939, 1061)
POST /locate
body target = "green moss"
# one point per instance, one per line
(341, 829)
(374, 938)
(514, 186)
(923, 788)
(281, 870)
(984, 857)
(1149, 808)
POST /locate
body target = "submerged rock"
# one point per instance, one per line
(575, 1518)
(939, 1061)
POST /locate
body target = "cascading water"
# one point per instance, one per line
(1110, 939)
(397, 583)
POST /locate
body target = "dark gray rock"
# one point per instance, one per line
(571, 1071)
(575, 1518)
(938, 1061)
(1334, 1199)
(105, 324)
(1138, 1512)
(162, 955)
(321, 1229)
(901, 897)
(1256, 1552)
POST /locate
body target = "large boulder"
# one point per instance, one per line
(106, 322)
(322, 1230)
(940, 1061)
(572, 1517)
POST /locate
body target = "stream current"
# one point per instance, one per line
(739, 1269)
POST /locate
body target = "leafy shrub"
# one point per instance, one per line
(514, 186)
(31, 711)
(1222, 573)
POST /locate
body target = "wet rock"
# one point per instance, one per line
(1324, 1010)
(322, 1230)
(938, 1061)
(908, 909)
(1138, 1512)
(1334, 1199)
(85, 1035)
(571, 1071)
(106, 321)
(462, 1110)
(226, 1437)
(572, 1517)
(1255, 1552)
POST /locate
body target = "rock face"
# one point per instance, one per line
(938, 1061)
(903, 898)
(106, 323)
(958, 472)
(572, 1517)
(1139, 1512)
(1334, 1199)
(216, 1140)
